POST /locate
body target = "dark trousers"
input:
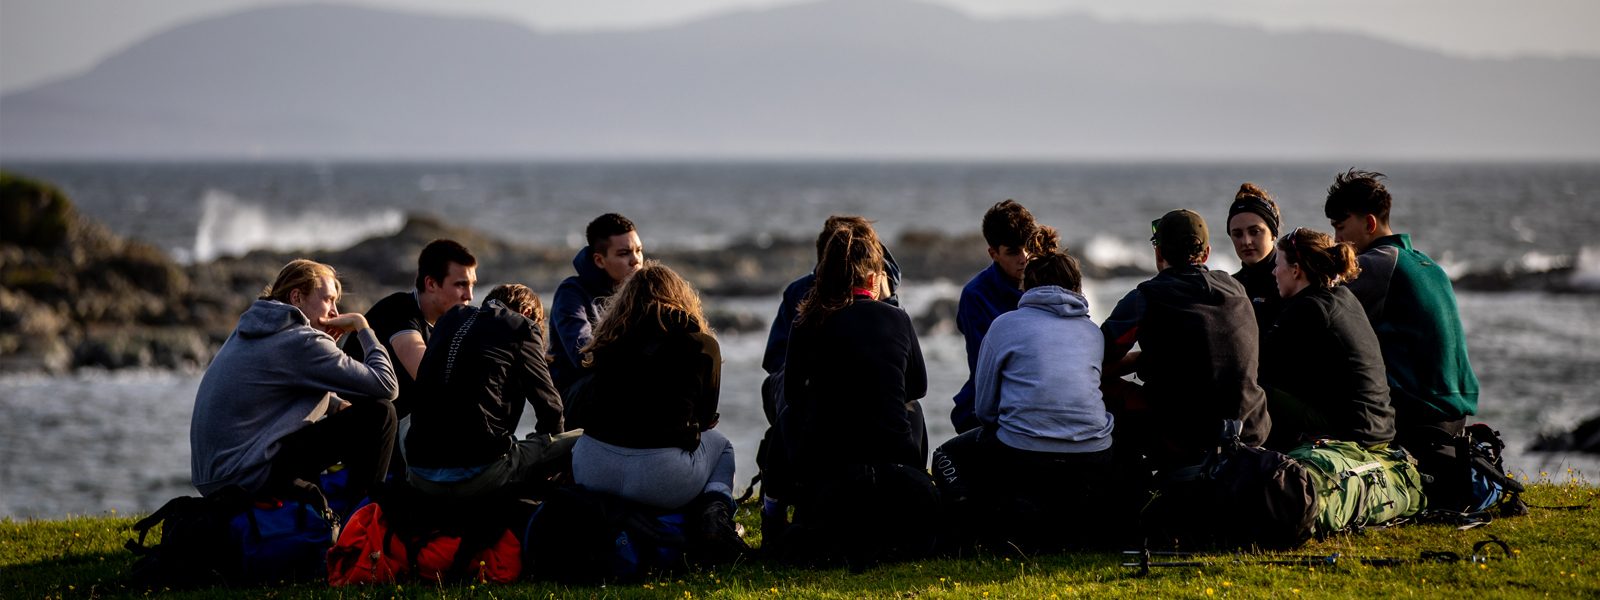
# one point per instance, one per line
(362, 436)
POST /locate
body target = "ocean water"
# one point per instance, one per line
(98, 441)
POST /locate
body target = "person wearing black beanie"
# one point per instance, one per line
(1253, 223)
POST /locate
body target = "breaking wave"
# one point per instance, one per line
(230, 226)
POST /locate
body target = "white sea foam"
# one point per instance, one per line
(1110, 252)
(1586, 271)
(230, 226)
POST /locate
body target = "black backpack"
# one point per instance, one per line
(1239, 496)
(1466, 474)
(195, 550)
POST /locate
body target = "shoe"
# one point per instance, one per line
(714, 537)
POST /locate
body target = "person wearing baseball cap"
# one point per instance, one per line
(1198, 354)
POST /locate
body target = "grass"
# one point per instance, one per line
(1556, 553)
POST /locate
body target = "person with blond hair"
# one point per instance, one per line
(649, 410)
(282, 402)
(484, 365)
(1321, 363)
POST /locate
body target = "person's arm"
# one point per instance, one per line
(408, 350)
(329, 368)
(986, 400)
(916, 367)
(537, 384)
(778, 336)
(1121, 331)
(709, 367)
(569, 317)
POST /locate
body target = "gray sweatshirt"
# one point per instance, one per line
(1038, 375)
(273, 376)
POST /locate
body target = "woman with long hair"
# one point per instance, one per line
(1253, 222)
(1321, 363)
(850, 417)
(648, 413)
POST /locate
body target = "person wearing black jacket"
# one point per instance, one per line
(851, 422)
(482, 365)
(1322, 365)
(1253, 222)
(1198, 354)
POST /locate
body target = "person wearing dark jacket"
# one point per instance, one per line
(650, 410)
(1198, 353)
(1253, 222)
(614, 252)
(483, 366)
(770, 457)
(1009, 230)
(1322, 366)
(850, 418)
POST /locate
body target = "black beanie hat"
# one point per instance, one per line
(1254, 204)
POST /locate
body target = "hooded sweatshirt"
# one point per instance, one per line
(574, 311)
(986, 296)
(1038, 375)
(272, 377)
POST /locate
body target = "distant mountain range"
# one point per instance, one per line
(832, 79)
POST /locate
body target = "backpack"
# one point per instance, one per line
(404, 533)
(367, 551)
(1467, 473)
(195, 550)
(581, 537)
(230, 538)
(1357, 487)
(1238, 496)
(283, 540)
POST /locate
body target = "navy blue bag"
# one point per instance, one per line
(284, 540)
(582, 537)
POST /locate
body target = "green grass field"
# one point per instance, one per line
(1556, 553)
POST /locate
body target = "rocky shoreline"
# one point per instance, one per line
(73, 294)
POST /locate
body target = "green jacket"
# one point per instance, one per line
(1412, 307)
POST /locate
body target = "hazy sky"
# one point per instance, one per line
(42, 40)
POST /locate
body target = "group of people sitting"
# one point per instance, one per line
(1352, 337)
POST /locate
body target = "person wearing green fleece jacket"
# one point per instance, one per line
(1412, 307)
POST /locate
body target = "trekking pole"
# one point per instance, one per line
(1146, 558)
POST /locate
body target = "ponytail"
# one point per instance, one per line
(1324, 262)
(851, 256)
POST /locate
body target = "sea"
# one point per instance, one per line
(97, 442)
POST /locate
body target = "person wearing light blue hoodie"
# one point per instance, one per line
(614, 252)
(1044, 443)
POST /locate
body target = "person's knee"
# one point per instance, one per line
(715, 441)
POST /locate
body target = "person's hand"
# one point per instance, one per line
(340, 324)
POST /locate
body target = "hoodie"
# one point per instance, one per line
(574, 311)
(986, 296)
(1038, 375)
(273, 376)
(1199, 353)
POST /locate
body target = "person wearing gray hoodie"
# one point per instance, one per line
(267, 412)
(1043, 449)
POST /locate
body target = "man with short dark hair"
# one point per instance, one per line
(1198, 352)
(486, 363)
(403, 321)
(1009, 229)
(614, 252)
(1412, 307)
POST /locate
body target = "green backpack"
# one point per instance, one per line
(1357, 487)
